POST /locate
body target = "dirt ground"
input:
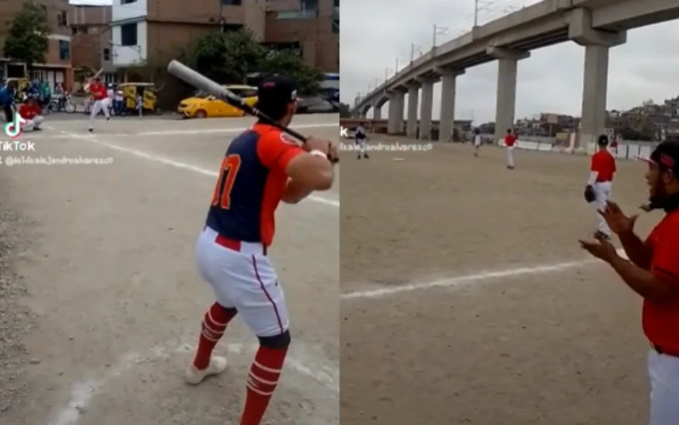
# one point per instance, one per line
(525, 330)
(100, 300)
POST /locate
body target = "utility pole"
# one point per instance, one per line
(396, 69)
(479, 5)
(221, 18)
(438, 31)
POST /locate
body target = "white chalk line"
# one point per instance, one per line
(83, 392)
(66, 134)
(469, 279)
(176, 164)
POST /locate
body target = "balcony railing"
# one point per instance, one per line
(296, 14)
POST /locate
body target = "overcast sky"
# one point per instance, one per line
(374, 33)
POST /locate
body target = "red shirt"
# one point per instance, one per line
(510, 140)
(661, 321)
(604, 164)
(98, 91)
(275, 151)
(29, 112)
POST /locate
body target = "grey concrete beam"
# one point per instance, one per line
(445, 72)
(510, 54)
(580, 31)
(430, 79)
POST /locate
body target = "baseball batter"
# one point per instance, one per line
(261, 167)
(652, 271)
(360, 140)
(600, 183)
(99, 95)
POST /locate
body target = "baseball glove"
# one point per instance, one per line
(590, 196)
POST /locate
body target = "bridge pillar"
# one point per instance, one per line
(506, 87)
(426, 105)
(377, 112)
(413, 101)
(448, 88)
(595, 82)
(396, 101)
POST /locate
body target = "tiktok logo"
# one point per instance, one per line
(13, 129)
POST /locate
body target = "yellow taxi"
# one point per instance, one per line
(204, 105)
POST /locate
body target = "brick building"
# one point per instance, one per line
(145, 32)
(57, 65)
(91, 33)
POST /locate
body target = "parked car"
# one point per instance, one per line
(204, 105)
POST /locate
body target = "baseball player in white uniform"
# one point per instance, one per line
(477, 142)
(360, 139)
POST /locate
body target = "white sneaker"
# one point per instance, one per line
(194, 376)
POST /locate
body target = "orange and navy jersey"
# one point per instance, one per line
(661, 321)
(604, 164)
(250, 185)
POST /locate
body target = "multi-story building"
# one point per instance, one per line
(56, 67)
(143, 32)
(91, 34)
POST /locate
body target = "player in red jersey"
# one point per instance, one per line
(602, 171)
(262, 167)
(510, 142)
(99, 95)
(31, 112)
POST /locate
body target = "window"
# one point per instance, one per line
(62, 19)
(127, 1)
(83, 30)
(107, 54)
(64, 50)
(309, 5)
(232, 2)
(74, 30)
(128, 34)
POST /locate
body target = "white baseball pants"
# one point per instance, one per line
(603, 194)
(510, 156)
(663, 373)
(98, 106)
(34, 123)
(244, 280)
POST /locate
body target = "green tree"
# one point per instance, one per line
(344, 110)
(289, 63)
(27, 40)
(226, 58)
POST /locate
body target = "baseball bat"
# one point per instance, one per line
(205, 84)
(89, 80)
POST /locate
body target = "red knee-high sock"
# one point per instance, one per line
(262, 380)
(213, 327)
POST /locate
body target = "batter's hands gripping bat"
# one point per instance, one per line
(89, 80)
(201, 82)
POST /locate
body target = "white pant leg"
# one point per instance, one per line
(96, 108)
(510, 156)
(29, 125)
(247, 282)
(663, 373)
(38, 120)
(603, 194)
(106, 104)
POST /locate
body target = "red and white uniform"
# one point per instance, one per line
(602, 171)
(32, 114)
(510, 142)
(99, 101)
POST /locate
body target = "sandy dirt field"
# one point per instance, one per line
(106, 302)
(467, 300)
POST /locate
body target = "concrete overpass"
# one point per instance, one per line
(597, 25)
